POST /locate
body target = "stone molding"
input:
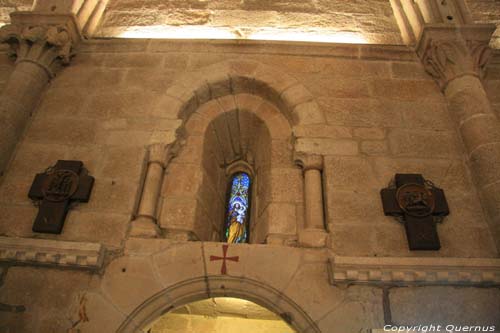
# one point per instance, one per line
(308, 161)
(419, 271)
(448, 53)
(157, 153)
(51, 252)
(44, 39)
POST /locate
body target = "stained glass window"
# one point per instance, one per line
(236, 228)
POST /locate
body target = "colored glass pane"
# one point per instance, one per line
(236, 228)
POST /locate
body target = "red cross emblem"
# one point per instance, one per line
(223, 269)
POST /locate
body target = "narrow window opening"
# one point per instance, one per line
(236, 226)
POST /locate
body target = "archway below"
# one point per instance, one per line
(220, 315)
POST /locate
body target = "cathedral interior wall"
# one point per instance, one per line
(381, 117)
(383, 114)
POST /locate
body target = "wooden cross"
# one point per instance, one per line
(57, 188)
(417, 204)
(223, 269)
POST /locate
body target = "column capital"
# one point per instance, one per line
(308, 161)
(157, 153)
(40, 38)
(451, 52)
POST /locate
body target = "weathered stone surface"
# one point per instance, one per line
(362, 308)
(47, 294)
(424, 143)
(364, 22)
(445, 305)
(129, 281)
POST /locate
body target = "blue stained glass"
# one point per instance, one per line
(236, 229)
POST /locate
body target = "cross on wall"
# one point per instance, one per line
(224, 258)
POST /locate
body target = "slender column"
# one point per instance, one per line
(313, 234)
(39, 51)
(145, 224)
(457, 58)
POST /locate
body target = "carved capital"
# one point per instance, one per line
(47, 43)
(449, 53)
(308, 161)
(158, 154)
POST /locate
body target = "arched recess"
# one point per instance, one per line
(296, 103)
(197, 289)
(261, 103)
(222, 136)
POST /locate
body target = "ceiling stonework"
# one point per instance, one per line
(9, 6)
(371, 20)
(487, 11)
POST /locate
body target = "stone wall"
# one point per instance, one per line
(487, 11)
(383, 115)
(9, 6)
(372, 20)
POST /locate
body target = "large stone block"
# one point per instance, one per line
(407, 90)
(17, 220)
(88, 76)
(445, 306)
(355, 207)
(122, 163)
(323, 146)
(59, 129)
(360, 311)
(105, 228)
(409, 71)
(362, 112)
(134, 60)
(352, 240)
(129, 281)
(374, 147)
(424, 143)
(281, 218)
(178, 213)
(350, 173)
(47, 294)
(112, 196)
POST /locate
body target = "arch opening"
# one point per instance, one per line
(196, 289)
(235, 133)
(220, 315)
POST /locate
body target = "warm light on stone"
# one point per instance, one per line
(261, 33)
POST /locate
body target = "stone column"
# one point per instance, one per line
(313, 234)
(457, 58)
(40, 44)
(145, 224)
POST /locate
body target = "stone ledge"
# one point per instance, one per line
(51, 252)
(420, 271)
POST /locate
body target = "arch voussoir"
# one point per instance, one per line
(233, 77)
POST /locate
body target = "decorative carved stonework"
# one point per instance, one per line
(47, 43)
(448, 53)
(418, 271)
(308, 161)
(419, 205)
(51, 252)
(56, 188)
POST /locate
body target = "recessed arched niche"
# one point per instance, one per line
(224, 137)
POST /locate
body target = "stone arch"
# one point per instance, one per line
(294, 100)
(195, 186)
(196, 289)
